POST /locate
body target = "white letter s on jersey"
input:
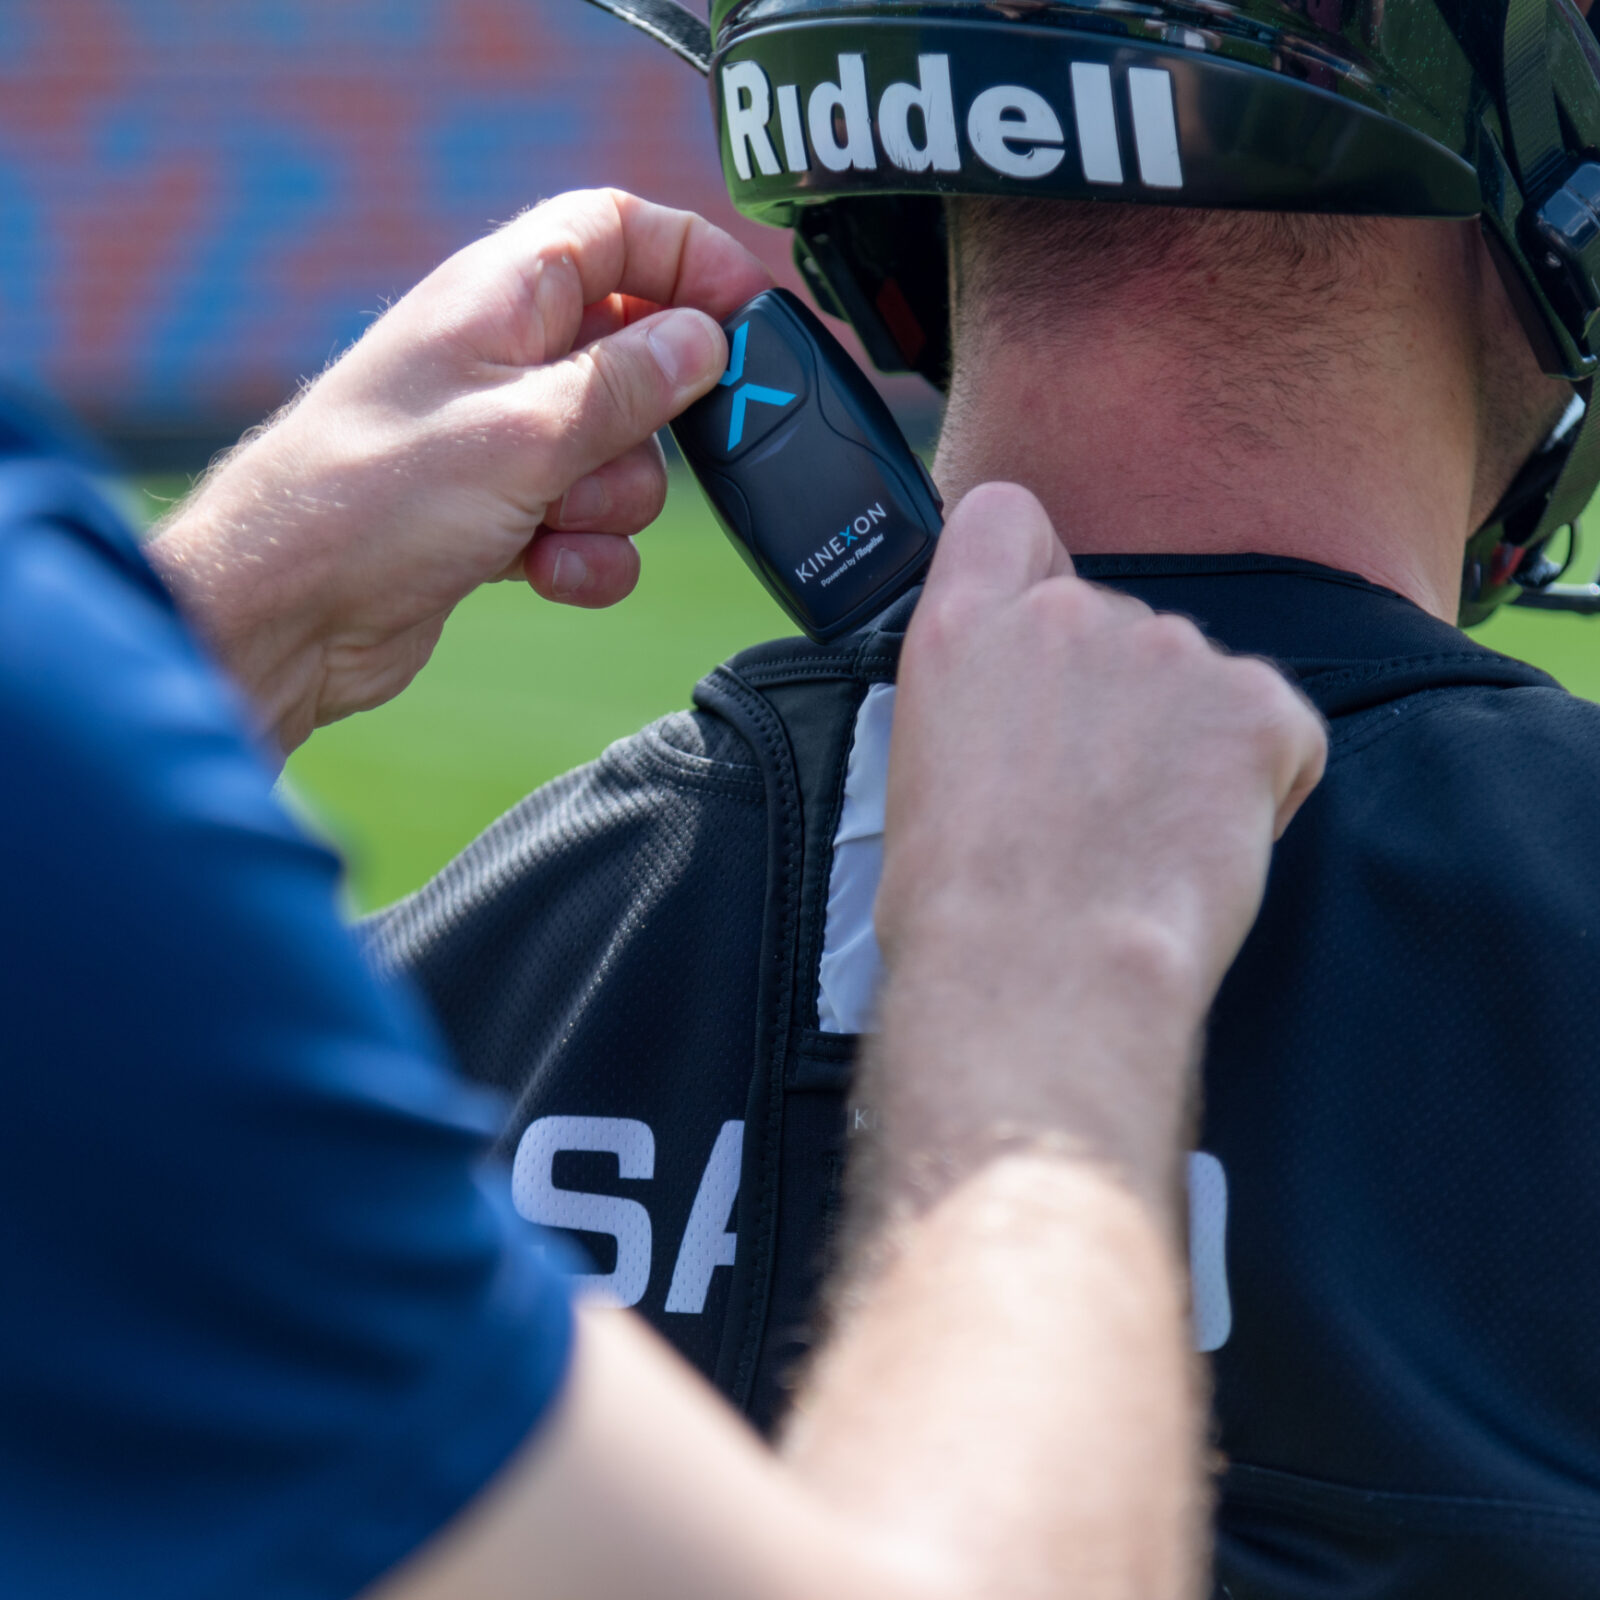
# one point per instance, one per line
(536, 1197)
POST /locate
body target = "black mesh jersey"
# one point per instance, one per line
(1400, 1081)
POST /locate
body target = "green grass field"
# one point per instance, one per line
(517, 692)
(520, 691)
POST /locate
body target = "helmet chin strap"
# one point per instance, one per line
(1539, 151)
(669, 23)
(1530, 100)
(1565, 506)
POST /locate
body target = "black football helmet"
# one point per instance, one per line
(848, 121)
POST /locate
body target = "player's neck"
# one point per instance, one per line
(1135, 446)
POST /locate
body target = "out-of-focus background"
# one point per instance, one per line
(203, 201)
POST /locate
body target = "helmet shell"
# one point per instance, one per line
(1249, 106)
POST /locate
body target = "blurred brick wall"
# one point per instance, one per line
(202, 200)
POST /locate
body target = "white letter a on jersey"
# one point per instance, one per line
(708, 1241)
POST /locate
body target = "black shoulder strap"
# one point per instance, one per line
(795, 704)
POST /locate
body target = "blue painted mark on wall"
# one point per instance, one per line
(200, 204)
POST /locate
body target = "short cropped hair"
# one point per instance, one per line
(1274, 290)
(1021, 257)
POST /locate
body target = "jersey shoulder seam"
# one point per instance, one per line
(1363, 729)
(1439, 1515)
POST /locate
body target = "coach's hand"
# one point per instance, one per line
(1082, 800)
(496, 422)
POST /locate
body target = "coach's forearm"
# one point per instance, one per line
(1006, 1405)
(1088, 1042)
(1008, 1412)
(242, 573)
(1017, 1395)
(1009, 1381)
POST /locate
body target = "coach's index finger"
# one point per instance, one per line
(579, 248)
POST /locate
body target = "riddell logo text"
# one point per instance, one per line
(838, 548)
(1012, 130)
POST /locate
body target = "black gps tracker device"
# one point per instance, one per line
(807, 471)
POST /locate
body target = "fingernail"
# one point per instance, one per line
(570, 574)
(583, 505)
(684, 348)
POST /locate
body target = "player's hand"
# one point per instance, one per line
(1082, 800)
(496, 422)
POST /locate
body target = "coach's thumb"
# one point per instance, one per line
(689, 351)
(997, 543)
(616, 392)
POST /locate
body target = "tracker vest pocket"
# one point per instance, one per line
(796, 706)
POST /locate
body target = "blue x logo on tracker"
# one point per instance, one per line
(746, 392)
